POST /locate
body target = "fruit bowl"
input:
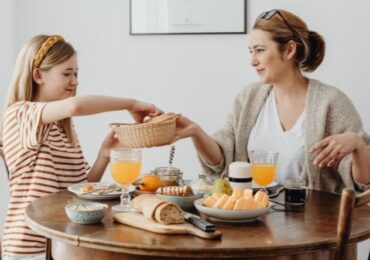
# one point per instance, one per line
(229, 215)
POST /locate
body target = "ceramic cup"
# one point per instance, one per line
(240, 175)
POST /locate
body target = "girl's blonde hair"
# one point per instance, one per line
(23, 87)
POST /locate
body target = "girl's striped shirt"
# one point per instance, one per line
(41, 161)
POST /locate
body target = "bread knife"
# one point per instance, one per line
(199, 222)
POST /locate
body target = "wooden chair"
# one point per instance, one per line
(48, 241)
(349, 201)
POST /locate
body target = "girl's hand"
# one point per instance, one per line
(140, 110)
(184, 128)
(111, 141)
(334, 148)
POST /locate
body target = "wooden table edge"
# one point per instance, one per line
(138, 249)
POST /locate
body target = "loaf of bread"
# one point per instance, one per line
(158, 210)
(137, 202)
(150, 206)
(169, 213)
(175, 191)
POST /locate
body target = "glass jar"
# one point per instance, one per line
(169, 176)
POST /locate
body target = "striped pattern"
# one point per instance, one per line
(41, 161)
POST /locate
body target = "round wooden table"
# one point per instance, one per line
(308, 232)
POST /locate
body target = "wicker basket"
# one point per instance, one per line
(146, 134)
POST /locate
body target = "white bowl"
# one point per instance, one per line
(230, 215)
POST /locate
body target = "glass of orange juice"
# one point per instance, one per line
(264, 167)
(125, 166)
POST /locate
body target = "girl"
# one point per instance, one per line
(314, 127)
(41, 148)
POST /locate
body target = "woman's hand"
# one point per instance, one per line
(184, 128)
(139, 110)
(334, 148)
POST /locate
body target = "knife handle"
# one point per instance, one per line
(202, 224)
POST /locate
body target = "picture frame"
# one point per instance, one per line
(164, 17)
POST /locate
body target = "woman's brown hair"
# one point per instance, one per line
(285, 26)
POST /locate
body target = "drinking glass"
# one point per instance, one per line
(263, 167)
(125, 168)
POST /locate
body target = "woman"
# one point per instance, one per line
(314, 127)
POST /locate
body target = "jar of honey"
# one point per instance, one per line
(169, 176)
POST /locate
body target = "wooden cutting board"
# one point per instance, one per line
(139, 221)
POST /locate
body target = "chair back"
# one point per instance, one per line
(348, 202)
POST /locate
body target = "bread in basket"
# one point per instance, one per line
(156, 131)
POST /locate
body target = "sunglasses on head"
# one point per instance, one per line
(269, 14)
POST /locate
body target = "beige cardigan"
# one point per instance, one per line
(328, 112)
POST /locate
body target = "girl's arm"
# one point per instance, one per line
(88, 105)
(98, 169)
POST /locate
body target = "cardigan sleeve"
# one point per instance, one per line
(226, 137)
(345, 118)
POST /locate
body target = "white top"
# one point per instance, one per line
(268, 134)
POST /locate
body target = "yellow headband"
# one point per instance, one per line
(45, 47)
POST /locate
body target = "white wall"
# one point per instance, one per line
(196, 75)
(8, 32)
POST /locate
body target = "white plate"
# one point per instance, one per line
(76, 189)
(230, 215)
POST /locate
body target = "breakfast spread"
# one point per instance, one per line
(175, 191)
(239, 200)
(158, 210)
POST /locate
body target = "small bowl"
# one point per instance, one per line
(185, 202)
(86, 212)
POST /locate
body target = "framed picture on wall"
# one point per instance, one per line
(188, 17)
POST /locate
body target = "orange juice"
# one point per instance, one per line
(263, 174)
(125, 172)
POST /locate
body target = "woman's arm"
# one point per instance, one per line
(206, 146)
(88, 105)
(335, 147)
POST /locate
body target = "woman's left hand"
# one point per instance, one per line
(334, 148)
